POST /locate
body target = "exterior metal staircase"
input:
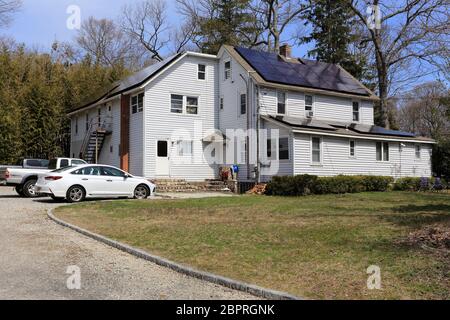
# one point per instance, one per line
(94, 139)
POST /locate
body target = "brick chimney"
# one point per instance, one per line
(286, 51)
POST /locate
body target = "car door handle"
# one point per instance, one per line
(85, 179)
(109, 181)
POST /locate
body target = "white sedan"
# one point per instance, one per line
(75, 184)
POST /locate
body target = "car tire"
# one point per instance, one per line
(29, 189)
(19, 191)
(141, 192)
(75, 194)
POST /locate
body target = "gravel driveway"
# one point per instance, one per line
(35, 254)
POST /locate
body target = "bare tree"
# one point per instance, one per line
(147, 23)
(413, 35)
(108, 44)
(7, 8)
(275, 16)
(424, 111)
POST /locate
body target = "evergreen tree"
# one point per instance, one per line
(230, 24)
(332, 27)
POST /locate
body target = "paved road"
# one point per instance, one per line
(35, 253)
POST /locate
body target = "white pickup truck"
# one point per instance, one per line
(24, 179)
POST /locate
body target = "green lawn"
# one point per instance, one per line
(314, 247)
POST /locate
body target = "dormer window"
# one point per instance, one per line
(355, 111)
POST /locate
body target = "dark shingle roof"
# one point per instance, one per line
(302, 72)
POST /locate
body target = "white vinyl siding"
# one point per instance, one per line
(335, 159)
(162, 124)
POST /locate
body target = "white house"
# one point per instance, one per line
(190, 115)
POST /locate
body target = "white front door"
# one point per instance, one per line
(162, 158)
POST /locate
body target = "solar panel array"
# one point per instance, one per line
(306, 73)
(380, 131)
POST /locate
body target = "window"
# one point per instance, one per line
(184, 148)
(88, 171)
(87, 122)
(227, 70)
(137, 103)
(352, 148)
(221, 103)
(99, 116)
(386, 151)
(111, 149)
(192, 105)
(201, 72)
(269, 148)
(281, 102)
(243, 103)
(176, 104)
(64, 163)
(382, 151)
(418, 151)
(112, 172)
(163, 150)
(356, 111)
(309, 104)
(283, 149)
(77, 162)
(76, 125)
(316, 150)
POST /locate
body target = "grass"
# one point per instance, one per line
(315, 247)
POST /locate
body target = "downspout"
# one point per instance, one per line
(258, 129)
(247, 147)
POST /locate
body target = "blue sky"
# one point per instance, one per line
(40, 22)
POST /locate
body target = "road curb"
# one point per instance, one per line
(205, 276)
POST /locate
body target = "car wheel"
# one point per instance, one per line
(19, 190)
(75, 194)
(29, 189)
(141, 192)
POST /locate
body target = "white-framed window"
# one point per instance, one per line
(352, 148)
(243, 103)
(383, 151)
(309, 104)
(76, 125)
(137, 103)
(316, 150)
(183, 104)
(176, 103)
(227, 70)
(99, 116)
(418, 151)
(281, 105)
(87, 122)
(356, 111)
(221, 103)
(201, 72)
(185, 148)
(283, 149)
(192, 105)
(271, 144)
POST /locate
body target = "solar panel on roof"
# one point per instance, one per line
(387, 132)
(308, 73)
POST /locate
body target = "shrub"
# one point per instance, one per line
(407, 184)
(307, 184)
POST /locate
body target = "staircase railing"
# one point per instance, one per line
(94, 126)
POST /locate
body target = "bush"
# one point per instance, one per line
(291, 186)
(306, 184)
(407, 184)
